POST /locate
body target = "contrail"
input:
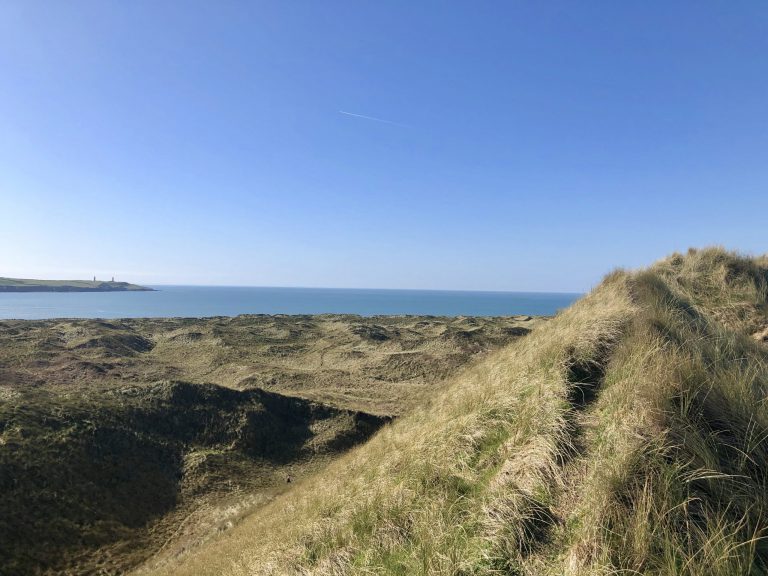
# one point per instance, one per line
(372, 118)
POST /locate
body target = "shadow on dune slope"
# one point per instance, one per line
(83, 473)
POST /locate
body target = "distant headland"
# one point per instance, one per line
(27, 285)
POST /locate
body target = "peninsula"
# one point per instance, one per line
(27, 285)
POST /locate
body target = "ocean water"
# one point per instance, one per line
(201, 301)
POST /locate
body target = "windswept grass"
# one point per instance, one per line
(629, 435)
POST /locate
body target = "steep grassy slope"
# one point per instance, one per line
(125, 439)
(629, 435)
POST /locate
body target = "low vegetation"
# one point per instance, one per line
(127, 439)
(379, 365)
(629, 435)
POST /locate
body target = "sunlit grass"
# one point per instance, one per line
(626, 436)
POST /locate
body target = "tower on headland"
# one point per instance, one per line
(113, 278)
(94, 278)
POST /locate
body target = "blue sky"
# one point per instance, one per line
(527, 145)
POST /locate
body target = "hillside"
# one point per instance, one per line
(130, 438)
(629, 435)
(26, 285)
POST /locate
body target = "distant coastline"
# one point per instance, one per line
(28, 285)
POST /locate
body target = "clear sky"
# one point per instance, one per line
(459, 145)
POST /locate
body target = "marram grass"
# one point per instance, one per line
(629, 435)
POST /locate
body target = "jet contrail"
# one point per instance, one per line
(372, 118)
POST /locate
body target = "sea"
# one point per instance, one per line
(206, 301)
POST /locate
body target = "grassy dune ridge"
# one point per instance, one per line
(629, 435)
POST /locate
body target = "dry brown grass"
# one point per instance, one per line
(629, 435)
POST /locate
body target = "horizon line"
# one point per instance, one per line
(487, 291)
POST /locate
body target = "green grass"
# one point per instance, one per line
(629, 435)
